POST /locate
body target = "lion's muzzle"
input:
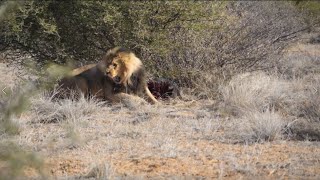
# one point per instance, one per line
(117, 79)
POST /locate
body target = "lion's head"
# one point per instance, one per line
(125, 69)
(120, 64)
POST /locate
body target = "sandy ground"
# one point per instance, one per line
(170, 141)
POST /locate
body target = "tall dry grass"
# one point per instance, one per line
(72, 109)
(276, 104)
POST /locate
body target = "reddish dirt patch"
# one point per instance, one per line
(270, 160)
(63, 167)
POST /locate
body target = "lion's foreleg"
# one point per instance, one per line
(150, 96)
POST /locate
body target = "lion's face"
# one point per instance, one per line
(115, 70)
(119, 66)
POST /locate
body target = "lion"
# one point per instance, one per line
(127, 71)
(88, 80)
(120, 71)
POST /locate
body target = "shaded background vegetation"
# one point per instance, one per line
(189, 42)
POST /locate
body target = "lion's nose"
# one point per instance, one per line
(116, 79)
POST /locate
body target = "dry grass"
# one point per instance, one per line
(158, 141)
(259, 91)
(72, 110)
(257, 126)
(246, 136)
(254, 91)
(271, 105)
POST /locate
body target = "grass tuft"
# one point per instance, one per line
(72, 109)
(258, 126)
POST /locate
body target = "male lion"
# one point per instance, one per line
(126, 70)
(120, 71)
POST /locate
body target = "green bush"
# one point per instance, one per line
(180, 40)
(84, 30)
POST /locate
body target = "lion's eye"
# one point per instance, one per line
(114, 65)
